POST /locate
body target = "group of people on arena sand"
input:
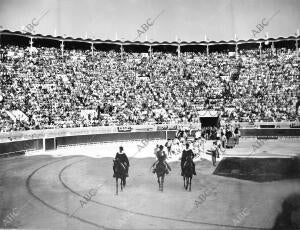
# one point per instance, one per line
(188, 146)
(161, 157)
(174, 147)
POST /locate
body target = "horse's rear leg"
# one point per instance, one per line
(124, 182)
(158, 181)
(116, 186)
(190, 183)
(162, 183)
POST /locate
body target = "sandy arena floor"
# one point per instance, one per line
(46, 191)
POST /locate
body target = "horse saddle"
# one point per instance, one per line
(187, 163)
(124, 165)
(161, 166)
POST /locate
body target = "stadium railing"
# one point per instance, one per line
(49, 139)
(285, 124)
(19, 142)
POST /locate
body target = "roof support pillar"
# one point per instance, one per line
(207, 50)
(260, 47)
(62, 48)
(178, 51)
(150, 51)
(92, 49)
(297, 48)
(31, 45)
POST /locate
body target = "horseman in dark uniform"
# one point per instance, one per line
(185, 154)
(123, 159)
(161, 157)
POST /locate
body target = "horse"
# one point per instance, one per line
(188, 173)
(160, 173)
(120, 173)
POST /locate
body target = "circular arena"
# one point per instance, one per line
(216, 90)
(72, 188)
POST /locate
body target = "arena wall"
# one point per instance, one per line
(50, 143)
(19, 147)
(270, 132)
(111, 137)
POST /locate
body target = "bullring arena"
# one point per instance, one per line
(194, 90)
(47, 188)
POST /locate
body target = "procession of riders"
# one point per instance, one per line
(183, 143)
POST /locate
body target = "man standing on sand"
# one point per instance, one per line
(197, 135)
(214, 153)
(169, 145)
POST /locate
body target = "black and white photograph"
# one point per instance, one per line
(150, 114)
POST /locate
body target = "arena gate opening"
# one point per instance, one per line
(209, 118)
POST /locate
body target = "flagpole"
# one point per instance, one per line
(267, 38)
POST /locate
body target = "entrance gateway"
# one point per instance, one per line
(209, 118)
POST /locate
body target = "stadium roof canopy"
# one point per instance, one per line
(145, 43)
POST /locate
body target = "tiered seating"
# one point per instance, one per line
(52, 91)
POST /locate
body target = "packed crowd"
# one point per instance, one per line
(224, 137)
(111, 88)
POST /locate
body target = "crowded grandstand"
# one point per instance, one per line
(50, 86)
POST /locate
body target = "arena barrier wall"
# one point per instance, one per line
(269, 132)
(110, 137)
(52, 143)
(61, 132)
(20, 146)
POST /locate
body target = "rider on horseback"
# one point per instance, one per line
(123, 159)
(161, 157)
(185, 154)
